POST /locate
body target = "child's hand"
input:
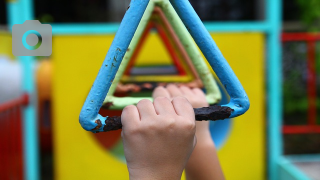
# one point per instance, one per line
(197, 99)
(158, 137)
(203, 163)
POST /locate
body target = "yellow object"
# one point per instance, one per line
(77, 60)
(6, 44)
(160, 56)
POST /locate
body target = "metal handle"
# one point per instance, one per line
(211, 113)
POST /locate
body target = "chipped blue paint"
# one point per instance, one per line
(108, 70)
(238, 98)
(89, 113)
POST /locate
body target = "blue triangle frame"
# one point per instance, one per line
(239, 101)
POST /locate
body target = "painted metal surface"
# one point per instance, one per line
(111, 28)
(11, 151)
(274, 109)
(238, 98)
(18, 12)
(213, 93)
(239, 101)
(311, 40)
(108, 70)
(288, 171)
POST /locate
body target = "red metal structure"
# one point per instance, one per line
(11, 141)
(311, 126)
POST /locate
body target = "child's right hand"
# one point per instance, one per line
(197, 99)
(203, 163)
(158, 137)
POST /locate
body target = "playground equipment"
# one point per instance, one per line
(245, 53)
(239, 103)
(213, 94)
(11, 139)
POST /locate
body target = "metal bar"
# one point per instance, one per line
(23, 100)
(111, 28)
(89, 113)
(164, 39)
(170, 49)
(213, 94)
(311, 83)
(137, 49)
(18, 12)
(84, 28)
(2, 153)
(211, 113)
(6, 145)
(239, 101)
(287, 129)
(169, 29)
(300, 37)
(133, 45)
(19, 140)
(274, 74)
(289, 171)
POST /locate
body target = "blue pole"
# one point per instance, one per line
(119, 46)
(18, 12)
(274, 64)
(239, 100)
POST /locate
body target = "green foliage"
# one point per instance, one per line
(310, 13)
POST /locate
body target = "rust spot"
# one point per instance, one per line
(213, 113)
(128, 50)
(128, 8)
(112, 123)
(98, 126)
(107, 105)
(106, 65)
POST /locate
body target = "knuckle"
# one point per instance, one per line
(159, 88)
(144, 101)
(180, 99)
(129, 108)
(189, 125)
(161, 99)
(170, 123)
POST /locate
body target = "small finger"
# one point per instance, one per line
(160, 92)
(186, 91)
(146, 109)
(163, 106)
(130, 117)
(173, 90)
(198, 92)
(183, 107)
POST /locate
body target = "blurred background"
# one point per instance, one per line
(272, 45)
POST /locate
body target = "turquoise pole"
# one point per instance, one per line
(274, 76)
(111, 28)
(18, 12)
